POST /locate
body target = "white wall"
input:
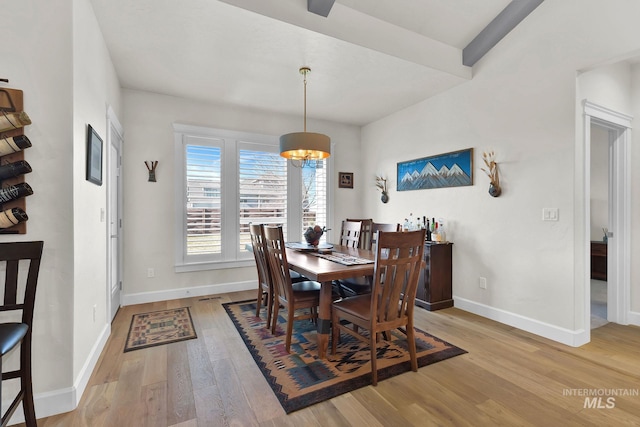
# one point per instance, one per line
(149, 207)
(521, 103)
(95, 86)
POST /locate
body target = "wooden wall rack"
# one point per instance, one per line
(15, 97)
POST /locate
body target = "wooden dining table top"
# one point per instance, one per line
(323, 270)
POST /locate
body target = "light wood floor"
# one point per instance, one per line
(509, 377)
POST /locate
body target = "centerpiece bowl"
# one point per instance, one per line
(313, 235)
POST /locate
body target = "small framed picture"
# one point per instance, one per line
(345, 180)
(94, 156)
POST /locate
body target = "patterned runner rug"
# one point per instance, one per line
(159, 327)
(300, 379)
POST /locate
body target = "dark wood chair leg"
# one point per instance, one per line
(27, 385)
(259, 300)
(269, 308)
(274, 320)
(290, 314)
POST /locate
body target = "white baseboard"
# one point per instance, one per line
(85, 373)
(552, 332)
(198, 291)
(634, 318)
(67, 399)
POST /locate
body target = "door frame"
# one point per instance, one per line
(619, 245)
(114, 126)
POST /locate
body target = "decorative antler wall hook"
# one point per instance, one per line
(492, 173)
(151, 167)
(381, 183)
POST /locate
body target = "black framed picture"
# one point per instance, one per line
(94, 156)
(345, 180)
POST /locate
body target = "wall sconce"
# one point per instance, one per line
(151, 167)
(381, 183)
(492, 173)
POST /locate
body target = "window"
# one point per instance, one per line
(226, 180)
(314, 195)
(263, 190)
(203, 214)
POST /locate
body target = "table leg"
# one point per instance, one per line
(324, 319)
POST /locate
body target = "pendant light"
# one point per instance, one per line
(303, 147)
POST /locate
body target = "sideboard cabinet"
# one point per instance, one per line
(434, 287)
(598, 260)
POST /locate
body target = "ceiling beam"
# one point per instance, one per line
(320, 7)
(506, 21)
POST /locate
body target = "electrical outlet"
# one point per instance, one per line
(482, 282)
(151, 272)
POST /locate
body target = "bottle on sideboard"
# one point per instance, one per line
(11, 217)
(11, 170)
(441, 231)
(13, 192)
(13, 144)
(435, 234)
(10, 121)
(428, 227)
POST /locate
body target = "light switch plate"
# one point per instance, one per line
(550, 214)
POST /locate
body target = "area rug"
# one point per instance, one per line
(300, 379)
(160, 327)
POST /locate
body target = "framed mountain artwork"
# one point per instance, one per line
(454, 169)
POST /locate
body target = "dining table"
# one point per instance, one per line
(314, 266)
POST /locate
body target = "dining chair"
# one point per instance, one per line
(350, 233)
(265, 286)
(378, 226)
(365, 232)
(21, 265)
(362, 285)
(292, 296)
(390, 304)
(265, 283)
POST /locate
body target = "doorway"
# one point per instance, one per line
(114, 191)
(601, 146)
(616, 126)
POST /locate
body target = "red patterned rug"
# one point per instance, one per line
(300, 379)
(159, 327)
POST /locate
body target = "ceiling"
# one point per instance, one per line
(368, 58)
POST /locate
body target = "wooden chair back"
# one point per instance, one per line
(276, 256)
(20, 297)
(397, 270)
(257, 243)
(365, 232)
(13, 255)
(265, 286)
(378, 226)
(350, 233)
(398, 262)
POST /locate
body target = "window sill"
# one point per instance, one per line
(204, 266)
